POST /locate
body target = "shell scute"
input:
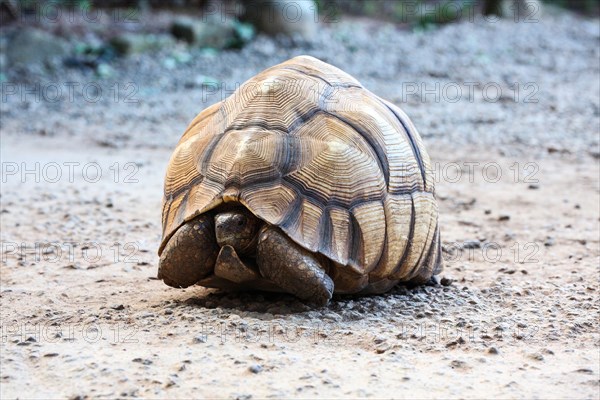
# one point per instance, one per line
(306, 148)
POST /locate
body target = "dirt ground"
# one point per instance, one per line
(519, 317)
(515, 316)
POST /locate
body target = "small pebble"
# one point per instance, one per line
(446, 281)
(144, 361)
(256, 368)
(458, 364)
(471, 244)
(584, 371)
(199, 339)
(537, 357)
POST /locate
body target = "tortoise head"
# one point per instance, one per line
(239, 229)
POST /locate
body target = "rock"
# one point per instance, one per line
(504, 218)
(556, 149)
(536, 357)
(588, 371)
(200, 339)
(471, 244)
(458, 364)
(135, 43)
(508, 236)
(284, 17)
(456, 342)
(212, 32)
(143, 361)
(35, 46)
(445, 281)
(256, 368)
(379, 340)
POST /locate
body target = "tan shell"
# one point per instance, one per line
(307, 148)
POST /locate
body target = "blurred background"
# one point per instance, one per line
(135, 71)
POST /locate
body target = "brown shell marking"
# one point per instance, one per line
(305, 147)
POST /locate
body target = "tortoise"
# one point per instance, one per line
(302, 181)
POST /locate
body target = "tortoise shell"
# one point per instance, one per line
(305, 147)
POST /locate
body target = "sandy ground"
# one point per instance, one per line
(515, 317)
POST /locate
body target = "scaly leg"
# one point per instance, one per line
(190, 254)
(294, 269)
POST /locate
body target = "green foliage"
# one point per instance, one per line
(244, 32)
(370, 7)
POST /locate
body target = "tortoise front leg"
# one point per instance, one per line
(292, 268)
(230, 267)
(190, 254)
